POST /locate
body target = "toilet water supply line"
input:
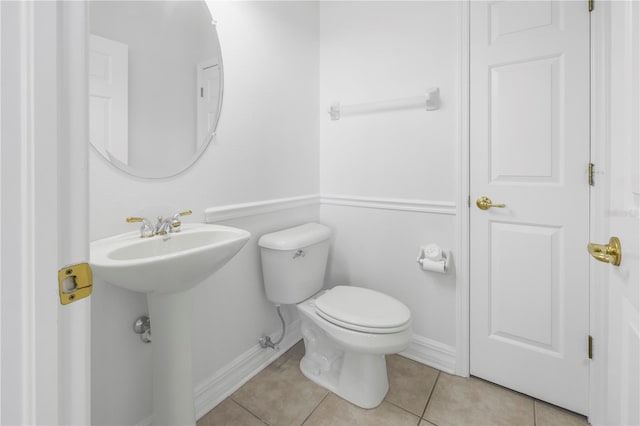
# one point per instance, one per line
(265, 341)
(142, 326)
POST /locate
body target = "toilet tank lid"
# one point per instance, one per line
(295, 238)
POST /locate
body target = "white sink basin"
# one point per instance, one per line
(166, 268)
(169, 263)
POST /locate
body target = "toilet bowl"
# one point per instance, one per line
(347, 330)
(348, 358)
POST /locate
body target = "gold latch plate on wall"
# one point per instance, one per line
(75, 282)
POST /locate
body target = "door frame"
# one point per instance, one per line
(597, 276)
(601, 51)
(600, 28)
(45, 348)
(463, 213)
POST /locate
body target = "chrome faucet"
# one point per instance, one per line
(162, 227)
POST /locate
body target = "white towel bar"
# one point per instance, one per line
(430, 101)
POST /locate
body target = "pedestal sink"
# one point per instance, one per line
(166, 268)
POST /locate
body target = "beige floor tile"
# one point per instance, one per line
(423, 422)
(410, 383)
(550, 415)
(335, 411)
(460, 401)
(228, 413)
(296, 351)
(280, 395)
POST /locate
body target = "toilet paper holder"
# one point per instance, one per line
(433, 258)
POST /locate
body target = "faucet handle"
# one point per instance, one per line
(147, 229)
(175, 221)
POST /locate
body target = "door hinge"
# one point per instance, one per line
(591, 172)
(591, 5)
(75, 282)
(590, 348)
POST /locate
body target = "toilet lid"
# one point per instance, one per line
(361, 309)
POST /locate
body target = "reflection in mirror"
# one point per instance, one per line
(155, 84)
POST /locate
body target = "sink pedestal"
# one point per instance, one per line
(173, 402)
(166, 268)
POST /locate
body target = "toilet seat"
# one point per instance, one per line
(362, 309)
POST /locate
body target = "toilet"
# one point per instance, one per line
(347, 330)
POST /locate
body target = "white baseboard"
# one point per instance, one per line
(432, 353)
(213, 390)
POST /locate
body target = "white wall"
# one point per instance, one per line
(267, 147)
(231, 311)
(285, 62)
(395, 160)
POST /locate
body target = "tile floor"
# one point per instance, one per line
(418, 396)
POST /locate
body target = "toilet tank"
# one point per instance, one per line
(294, 261)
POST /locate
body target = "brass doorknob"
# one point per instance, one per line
(484, 203)
(607, 253)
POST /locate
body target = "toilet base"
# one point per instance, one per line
(363, 380)
(359, 378)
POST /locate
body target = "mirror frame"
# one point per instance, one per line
(132, 171)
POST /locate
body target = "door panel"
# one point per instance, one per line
(529, 149)
(527, 93)
(524, 291)
(508, 18)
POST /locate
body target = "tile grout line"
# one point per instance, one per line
(433, 389)
(402, 408)
(286, 356)
(315, 408)
(250, 412)
(535, 421)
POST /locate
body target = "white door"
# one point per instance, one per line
(109, 97)
(208, 100)
(45, 352)
(529, 150)
(620, 181)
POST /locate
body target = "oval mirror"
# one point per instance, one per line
(155, 84)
